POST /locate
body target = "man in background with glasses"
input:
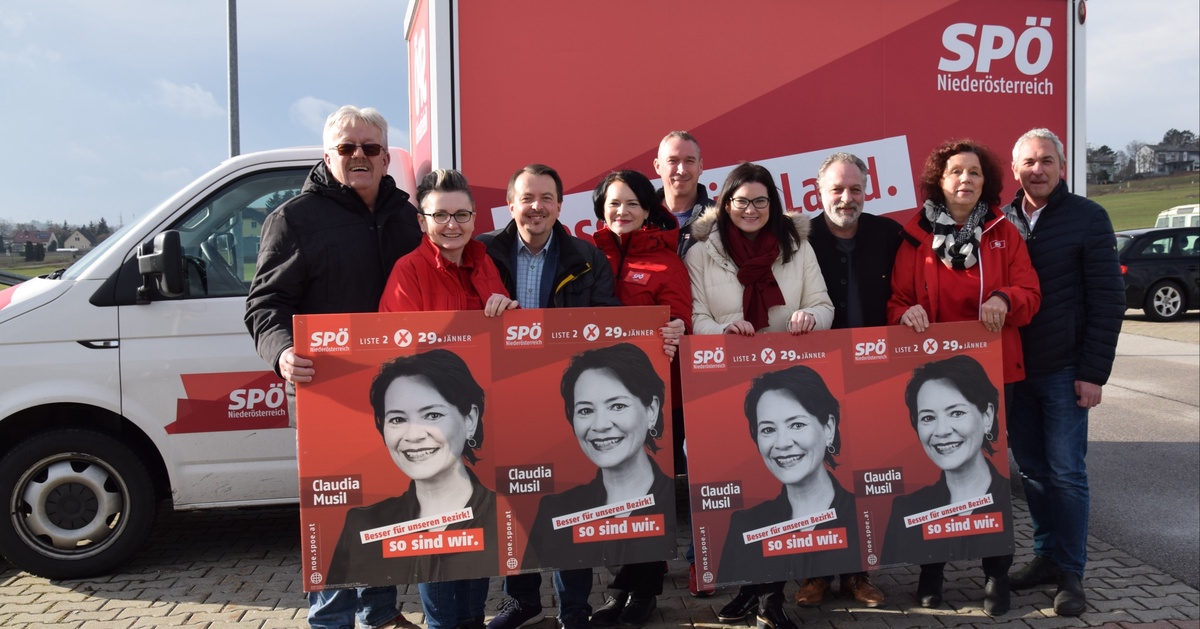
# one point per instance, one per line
(327, 250)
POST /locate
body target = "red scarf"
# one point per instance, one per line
(760, 291)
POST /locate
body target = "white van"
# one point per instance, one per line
(1179, 216)
(130, 378)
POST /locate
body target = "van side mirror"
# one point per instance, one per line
(161, 264)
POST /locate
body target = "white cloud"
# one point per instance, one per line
(189, 100)
(310, 113)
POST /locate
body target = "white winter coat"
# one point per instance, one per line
(717, 293)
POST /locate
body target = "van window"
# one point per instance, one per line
(220, 236)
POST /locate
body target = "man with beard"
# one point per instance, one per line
(856, 252)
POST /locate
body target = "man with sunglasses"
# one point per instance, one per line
(330, 249)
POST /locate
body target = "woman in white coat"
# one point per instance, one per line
(754, 271)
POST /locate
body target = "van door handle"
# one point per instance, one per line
(101, 344)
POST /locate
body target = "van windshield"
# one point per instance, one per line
(89, 258)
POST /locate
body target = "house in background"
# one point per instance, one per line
(80, 239)
(1161, 159)
(42, 237)
(1101, 168)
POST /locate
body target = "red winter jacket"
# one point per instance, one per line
(1004, 269)
(647, 270)
(424, 280)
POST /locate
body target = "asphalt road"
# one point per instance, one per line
(1144, 447)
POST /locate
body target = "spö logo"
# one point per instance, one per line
(973, 50)
(709, 356)
(330, 340)
(250, 399)
(871, 350)
(996, 42)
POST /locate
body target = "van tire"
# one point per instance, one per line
(1164, 302)
(78, 503)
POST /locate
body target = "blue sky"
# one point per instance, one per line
(109, 107)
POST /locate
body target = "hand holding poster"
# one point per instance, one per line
(402, 403)
(847, 434)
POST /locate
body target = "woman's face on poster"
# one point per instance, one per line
(424, 433)
(951, 428)
(610, 422)
(791, 440)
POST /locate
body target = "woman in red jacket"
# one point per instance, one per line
(961, 260)
(640, 239)
(447, 271)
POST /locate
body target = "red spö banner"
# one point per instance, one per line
(844, 450)
(447, 445)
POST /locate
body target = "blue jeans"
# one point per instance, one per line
(1048, 432)
(336, 609)
(449, 603)
(572, 586)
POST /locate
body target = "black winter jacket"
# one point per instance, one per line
(685, 228)
(875, 245)
(582, 279)
(324, 252)
(1074, 252)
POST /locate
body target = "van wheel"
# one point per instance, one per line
(78, 503)
(1164, 302)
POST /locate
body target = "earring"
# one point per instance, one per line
(988, 435)
(829, 448)
(654, 433)
(472, 443)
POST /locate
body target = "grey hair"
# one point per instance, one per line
(345, 113)
(840, 156)
(1040, 134)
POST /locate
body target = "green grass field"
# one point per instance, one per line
(53, 262)
(1136, 204)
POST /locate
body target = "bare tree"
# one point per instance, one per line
(1139, 163)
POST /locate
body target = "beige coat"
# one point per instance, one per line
(717, 293)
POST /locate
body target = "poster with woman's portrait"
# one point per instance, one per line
(432, 446)
(844, 450)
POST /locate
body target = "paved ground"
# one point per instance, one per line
(239, 568)
(230, 568)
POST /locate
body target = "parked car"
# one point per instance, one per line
(1161, 267)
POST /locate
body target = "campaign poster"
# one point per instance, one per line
(433, 445)
(844, 450)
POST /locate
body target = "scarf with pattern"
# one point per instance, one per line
(957, 248)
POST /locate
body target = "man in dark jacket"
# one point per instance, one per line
(856, 252)
(330, 249)
(679, 164)
(541, 263)
(1069, 349)
(544, 266)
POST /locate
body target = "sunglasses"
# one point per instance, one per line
(370, 150)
